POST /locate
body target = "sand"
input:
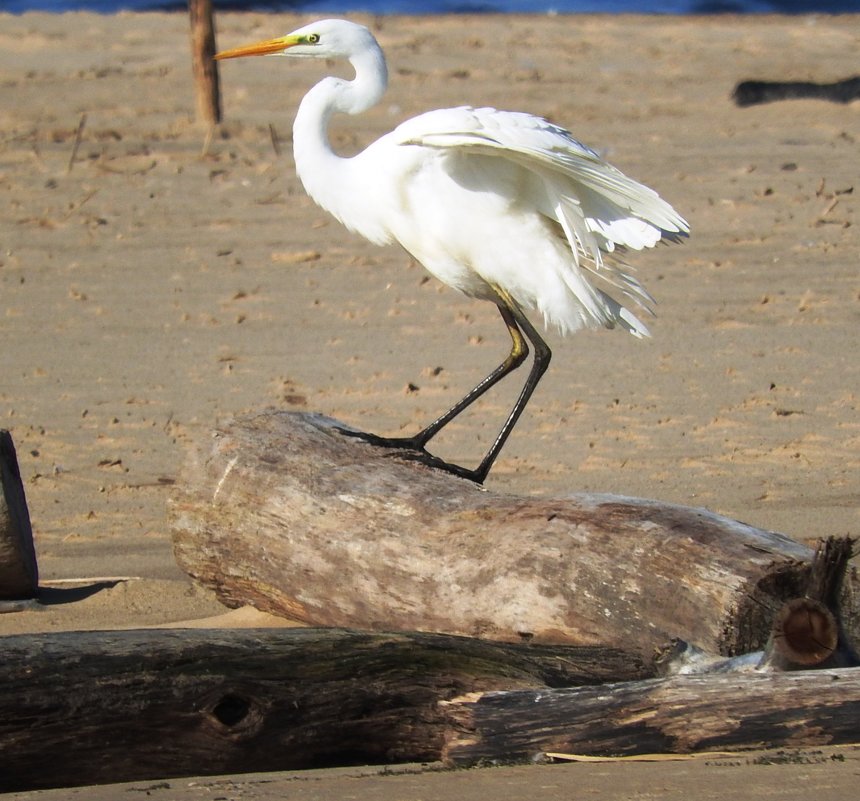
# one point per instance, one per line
(825, 774)
(153, 283)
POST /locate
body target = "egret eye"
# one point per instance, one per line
(313, 38)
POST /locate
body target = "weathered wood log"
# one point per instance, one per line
(680, 714)
(751, 93)
(93, 707)
(807, 633)
(207, 88)
(285, 512)
(19, 573)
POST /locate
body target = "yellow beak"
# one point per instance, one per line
(264, 48)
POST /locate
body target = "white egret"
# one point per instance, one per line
(500, 205)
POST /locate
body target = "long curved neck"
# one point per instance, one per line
(324, 174)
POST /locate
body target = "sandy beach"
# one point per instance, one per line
(155, 281)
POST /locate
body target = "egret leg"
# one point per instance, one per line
(541, 361)
(519, 351)
(418, 442)
(517, 324)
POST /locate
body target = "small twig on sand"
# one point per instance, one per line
(88, 580)
(207, 142)
(276, 140)
(78, 134)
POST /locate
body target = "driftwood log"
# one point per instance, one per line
(751, 93)
(285, 512)
(92, 707)
(681, 714)
(810, 631)
(19, 574)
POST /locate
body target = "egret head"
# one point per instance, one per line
(328, 38)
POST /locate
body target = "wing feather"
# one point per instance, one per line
(608, 199)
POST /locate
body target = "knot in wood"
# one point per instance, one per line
(234, 713)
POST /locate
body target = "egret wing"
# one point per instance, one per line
(589, 196)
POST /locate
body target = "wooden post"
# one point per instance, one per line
(19, 575)
(205, 69)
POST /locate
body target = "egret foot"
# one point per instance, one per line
(402, 443)
(412, 449)
(440, 464)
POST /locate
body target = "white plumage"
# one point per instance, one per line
(501, 205)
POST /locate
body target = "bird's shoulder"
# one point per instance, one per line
(465, 126)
